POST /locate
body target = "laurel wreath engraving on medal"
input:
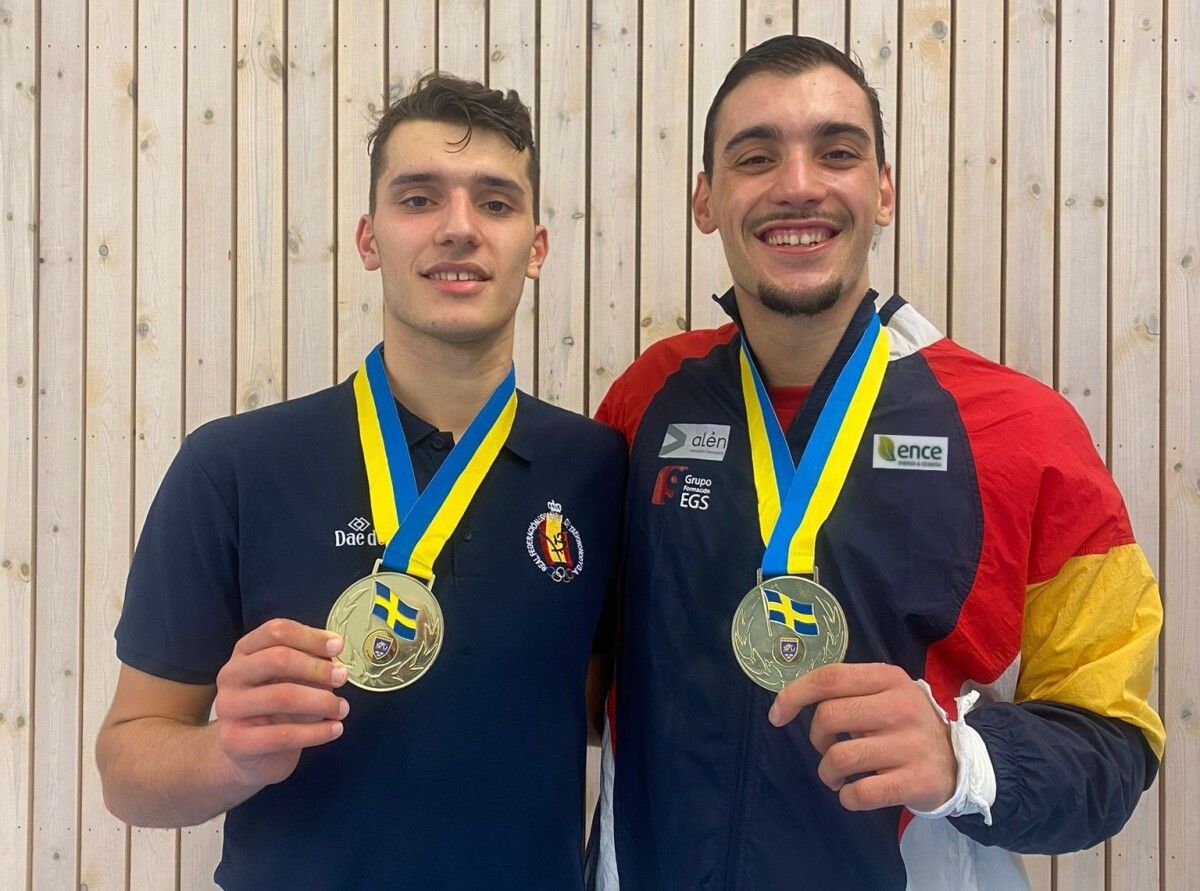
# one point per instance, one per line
(756, 641)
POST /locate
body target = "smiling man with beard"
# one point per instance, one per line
(907, 631)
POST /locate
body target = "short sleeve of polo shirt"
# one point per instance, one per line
(182, 613)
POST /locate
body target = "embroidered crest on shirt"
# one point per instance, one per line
(554, 544)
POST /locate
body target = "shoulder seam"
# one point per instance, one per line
(191, 452)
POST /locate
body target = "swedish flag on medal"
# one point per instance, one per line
(399, 616)
(795, 615)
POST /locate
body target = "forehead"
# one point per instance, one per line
(792, 102)
(437, 147)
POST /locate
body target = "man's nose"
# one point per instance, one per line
(459, 222)
(799, 181)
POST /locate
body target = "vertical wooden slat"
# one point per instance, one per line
(825, 20)
(874, 37)
(562, 116)
(1029, 173)
(715, 47)
(62, 308)
(1180, 778)
(978, 177)
(1136, 313)
(260, 223)
(212, 202)
(1027, 333)
(159, 322)
(512, 65)
(923, 181)
(663, 206)
(311, 239)
(160, 234)
(1082, 238)
(412, 40)
(209, 299)
(108, 449)
(18, 303)
(766, 19)
(461, 38)
(360, 92)
(613, 237)
(1081, 250)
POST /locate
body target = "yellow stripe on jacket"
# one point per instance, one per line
(1090, 637)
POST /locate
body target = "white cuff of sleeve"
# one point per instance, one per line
(976, 789)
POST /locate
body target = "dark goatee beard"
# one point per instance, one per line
(790, 303)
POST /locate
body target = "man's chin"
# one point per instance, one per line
(792, 302)
(463, 335)
(464, 328)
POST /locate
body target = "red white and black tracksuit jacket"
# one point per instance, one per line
(1011, 570)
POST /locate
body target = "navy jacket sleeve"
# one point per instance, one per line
(1066, 778)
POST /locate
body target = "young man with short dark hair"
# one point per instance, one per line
(422, 531)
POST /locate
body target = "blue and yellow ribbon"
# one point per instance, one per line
(794, 500)
(415, 527)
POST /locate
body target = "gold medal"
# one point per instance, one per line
(392, 627)
(786, 627)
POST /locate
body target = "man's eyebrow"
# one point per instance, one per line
(424, 178)
(751, 133)
(418, 178)
(498, 182)
(828, 129)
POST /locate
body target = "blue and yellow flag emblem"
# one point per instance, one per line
(791, 614)
(400, 617)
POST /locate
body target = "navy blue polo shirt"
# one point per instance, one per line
(472, 776)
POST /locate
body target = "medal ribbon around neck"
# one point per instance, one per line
(795, 500)
(415, 527)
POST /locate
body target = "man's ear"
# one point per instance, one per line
(537, 252)
(887, 197)
(364, 240)
(701, 211)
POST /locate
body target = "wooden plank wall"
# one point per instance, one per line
(180, 184)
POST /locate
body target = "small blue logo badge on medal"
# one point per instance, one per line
(379, 646)
(788, 650)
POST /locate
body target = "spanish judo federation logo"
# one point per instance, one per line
(554, 544)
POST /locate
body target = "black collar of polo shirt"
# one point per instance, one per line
(521, 439)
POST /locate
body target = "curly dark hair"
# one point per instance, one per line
(445, 98)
